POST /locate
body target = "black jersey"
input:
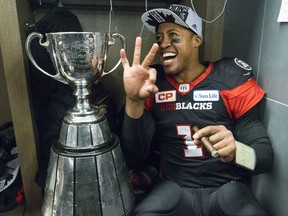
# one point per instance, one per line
(222, 94)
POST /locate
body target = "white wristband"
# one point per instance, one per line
(245, 156)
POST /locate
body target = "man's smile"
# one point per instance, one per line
(168, 58)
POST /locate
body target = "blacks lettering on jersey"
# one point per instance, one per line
(185, 106)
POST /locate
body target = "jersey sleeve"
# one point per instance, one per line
(249, 130)
(136, 138)
(242, 98)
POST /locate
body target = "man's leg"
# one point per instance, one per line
(165, 199)
(235, 199)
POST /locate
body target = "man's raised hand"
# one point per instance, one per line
(139, 79)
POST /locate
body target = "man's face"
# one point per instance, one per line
(176, 48)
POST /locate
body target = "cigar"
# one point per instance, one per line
(207, 144)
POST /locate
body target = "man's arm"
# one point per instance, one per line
(249, 130)
(139, 84)
(136, 138)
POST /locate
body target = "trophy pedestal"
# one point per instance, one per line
(87, 173)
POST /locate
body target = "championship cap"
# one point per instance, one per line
(179, 14)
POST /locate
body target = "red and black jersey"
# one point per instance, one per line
(222, 94)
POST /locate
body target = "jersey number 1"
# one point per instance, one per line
(190, 150)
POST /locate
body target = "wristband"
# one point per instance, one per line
(245, 156)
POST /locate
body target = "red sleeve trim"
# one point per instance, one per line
(242, 98)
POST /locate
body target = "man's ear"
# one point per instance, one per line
(197, 40)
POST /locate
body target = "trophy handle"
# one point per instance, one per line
(110, 43)
(29, 39)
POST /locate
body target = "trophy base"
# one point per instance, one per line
(88, 183)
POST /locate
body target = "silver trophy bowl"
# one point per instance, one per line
(79, 59)
(87, 173)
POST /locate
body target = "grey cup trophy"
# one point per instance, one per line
(87, 173)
